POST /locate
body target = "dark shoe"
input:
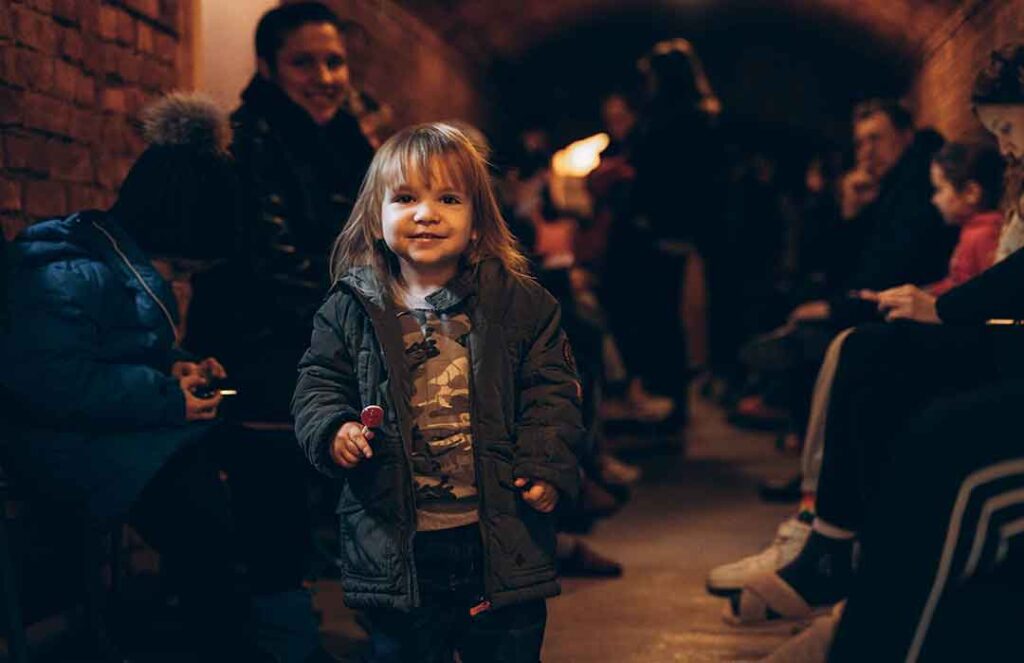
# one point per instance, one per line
(596, 501)
(786, 491)
(585, 563)
(752, 412)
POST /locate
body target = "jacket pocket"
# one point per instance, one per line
(367, 550)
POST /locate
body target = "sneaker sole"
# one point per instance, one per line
(722, 592)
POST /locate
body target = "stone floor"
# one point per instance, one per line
(695, 507)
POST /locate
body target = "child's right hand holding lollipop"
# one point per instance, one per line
(351, 444)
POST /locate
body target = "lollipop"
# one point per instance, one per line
(372, 416)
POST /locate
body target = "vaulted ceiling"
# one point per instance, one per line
(793, 65)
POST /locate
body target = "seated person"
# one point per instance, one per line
(968, 181)
(107, 417)
(953, 368)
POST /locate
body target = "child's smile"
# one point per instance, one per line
(428, 225)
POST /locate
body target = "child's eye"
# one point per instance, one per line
(302, 61)
(402, 198)
(335, 62)
(451, 199)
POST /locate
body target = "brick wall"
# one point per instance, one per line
(399, 60)
(952, 57)
(73, 76)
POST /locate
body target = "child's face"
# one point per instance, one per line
(428, 224)
(312, 69)
(955, 206)
(1006, 123)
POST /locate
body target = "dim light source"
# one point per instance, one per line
(578, 159)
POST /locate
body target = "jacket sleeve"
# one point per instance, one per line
(327, 391)
(52, 364)
(550, 428)
(995, 293)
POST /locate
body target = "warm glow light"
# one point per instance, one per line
(581, 157)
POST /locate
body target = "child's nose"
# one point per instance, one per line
(425, 213)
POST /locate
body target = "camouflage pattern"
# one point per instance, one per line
(442, 442)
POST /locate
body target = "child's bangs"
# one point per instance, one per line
(438, 161)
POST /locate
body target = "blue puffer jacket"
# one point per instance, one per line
(91, 412)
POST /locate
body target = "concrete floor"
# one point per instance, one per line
(692, 511)
(695, 508)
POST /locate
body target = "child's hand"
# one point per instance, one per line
(541, 495)
(351, 444)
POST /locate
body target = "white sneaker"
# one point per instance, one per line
(729, 579)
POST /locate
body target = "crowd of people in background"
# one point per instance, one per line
(870, 315)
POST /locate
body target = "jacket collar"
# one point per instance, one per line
(466, 284)
(983, 219)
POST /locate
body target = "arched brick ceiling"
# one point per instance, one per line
(790, 65)
(507, 30)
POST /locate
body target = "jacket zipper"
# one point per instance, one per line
(410, 492)
(485, 599)
(142, 281)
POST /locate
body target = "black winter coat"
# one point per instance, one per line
(299, 183)
(905, 238)
(525, 415)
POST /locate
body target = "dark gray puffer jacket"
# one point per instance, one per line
(525, 420)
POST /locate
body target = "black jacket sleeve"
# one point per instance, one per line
(327, 391)
(995, 293)
(550, 428)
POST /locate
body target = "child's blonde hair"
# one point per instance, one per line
(420, 150)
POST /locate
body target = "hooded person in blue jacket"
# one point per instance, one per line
(106, 416)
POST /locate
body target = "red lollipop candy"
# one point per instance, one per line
(372, 416)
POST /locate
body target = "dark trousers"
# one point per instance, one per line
(887, 374)
(942, 563)
(228, 516)
(449, 564)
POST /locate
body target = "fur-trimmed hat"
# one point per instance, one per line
(180, 196)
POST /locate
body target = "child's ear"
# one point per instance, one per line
(972, 193)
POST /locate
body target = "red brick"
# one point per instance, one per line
(45, 199)
(65, 76)
(166, 48)
(106, 26)
(86, 126)
(10, 195)
(10, 106)
(169, 14)
(110, 170)
(47, 113)
(92, 53)
(85, 89)
(27, 152)
(34, 29)
(6, 29)
(130, 67)
(125, 29)
(71, 163)
(112, 54)
(9, 71)
(35, 69)
(135, 100)
(85, 197)
(71, 45)
(150, 8)
(66, 10)
(89, 15)
(113, 99)
(45, 6)
(112, 136)
(144, 38)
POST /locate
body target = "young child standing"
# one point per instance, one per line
(968, 182)
(447, 530)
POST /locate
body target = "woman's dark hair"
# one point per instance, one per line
(180, 196)
(973, 162)
(1000, 81)
(275, 26)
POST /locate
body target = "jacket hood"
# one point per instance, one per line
(364, 280)
(92, 235)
